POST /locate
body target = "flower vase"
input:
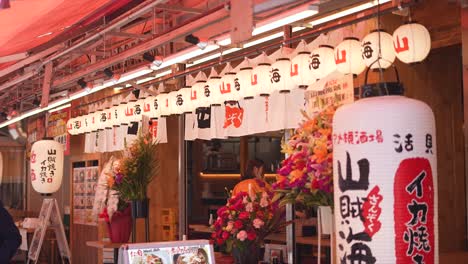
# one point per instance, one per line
(250, 255)
(140, 208)
(120, 226)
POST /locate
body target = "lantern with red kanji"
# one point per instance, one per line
(244, 77)
(46, 166)
(348, 57)
(163, 100)
(378, 40)
(300, 73)
(211, 92)
(322, 61)
(261, 84)
(411, 42)
(227, 85)
(385, 179)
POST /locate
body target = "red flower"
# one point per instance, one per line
(244, 215)
(260, 214)
(251, 235)
(225, 235)
(238, 224)
(219, 241)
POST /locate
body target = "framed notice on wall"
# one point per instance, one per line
(85, 183)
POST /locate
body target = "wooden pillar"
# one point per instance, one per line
(243, 153)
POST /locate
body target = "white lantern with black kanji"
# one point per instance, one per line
(322, 61)
(227, 87)
(46, 166)
(280, 75)
(163, 101)
(211, 91)
(244, 78)
(411, 42)
(124, 114)
(85, 124)
(261, 84)
(70, 126)
(183, 104)
(370, 50)
(155, 102)
(197, 93)
(348, 57)
(94, 121)
(301, 75)
(385, 181)
(147, 104)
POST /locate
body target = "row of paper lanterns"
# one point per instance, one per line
(410, 43)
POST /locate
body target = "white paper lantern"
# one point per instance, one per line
(147, 103)
(155, 106)
(46, 166)
(85, 124)
(280, 75)
(164, 104)
(244, 82)
(211, 92)
(94, 121)
(185, 102)
(71, 127)
(123, 112)
(412, 43)
(385, 181)
(370, 50)
(227, 87)
(197, 94)
(301, 75)
(322, 61)
(137, 107)
(348, 57)
(261, 84)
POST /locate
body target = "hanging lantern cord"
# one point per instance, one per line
(379, 57)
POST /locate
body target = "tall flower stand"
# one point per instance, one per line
(140, 209)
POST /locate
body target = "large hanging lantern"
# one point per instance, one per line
(155, 106)
(411, 42)
(385, 181)
(211, 92)
(124, 114)
(260, 80)
(174, 101)
(244, 79)
(322, 61)
(348, 57)
(197, 93)
(147, 105)
(85, 124)
(46, 166)
(70, 126)
(370, 50)
(301, 75)
(280, 75)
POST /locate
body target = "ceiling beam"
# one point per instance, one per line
(190, 27)
(29, 60)
(17, 80)
(14, 57)
(129, 35)
(179, 9)
(46, 84)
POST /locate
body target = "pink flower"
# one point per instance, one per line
(249, 207)
(244, 215)
(242, 235)
(229, 226)
(258, 223)
(263, 202)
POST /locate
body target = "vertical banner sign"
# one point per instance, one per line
(57, 128)
(385, 182)
(335, 89)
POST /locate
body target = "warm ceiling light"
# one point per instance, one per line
(156, 61)
(196, 41)
(87, 86)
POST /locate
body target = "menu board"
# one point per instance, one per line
(85, 183)
(176, 252)
(57, 128)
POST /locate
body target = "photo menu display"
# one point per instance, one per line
(84, 189)
(177, 252)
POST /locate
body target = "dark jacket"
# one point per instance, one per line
(10, 238)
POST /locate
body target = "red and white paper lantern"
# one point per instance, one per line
(385, 181)
(322, 61)
(227, 86)
(348, 57)
(197, 93)
(370, 50)
(280, 75)
(85, 124)
(125, 113)
(163, 101)
(71, 129)
(301, 75)
(147, 105)
(411, 42)
(183, 101)
(46, 166)
(261, 84)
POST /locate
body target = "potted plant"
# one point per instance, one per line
(243, 224)
(138, 168)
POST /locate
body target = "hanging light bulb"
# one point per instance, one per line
(348, 57)
(412, 43)
(370, 49)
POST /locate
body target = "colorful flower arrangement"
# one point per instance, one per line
(246, 220)
(306, 176)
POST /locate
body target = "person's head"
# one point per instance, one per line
(254, 169)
